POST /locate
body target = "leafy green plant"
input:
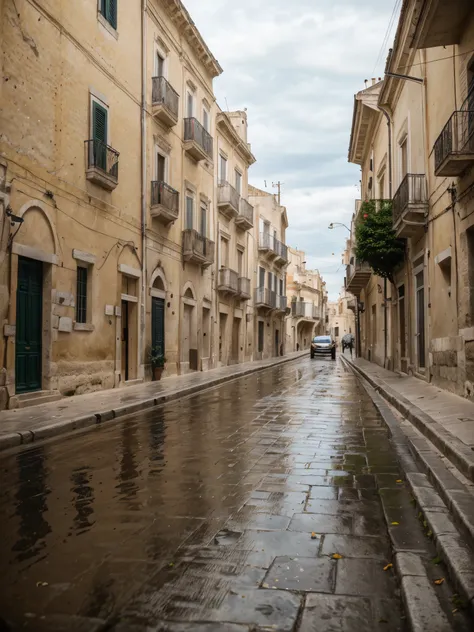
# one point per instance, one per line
(157, 357)
(376, 242)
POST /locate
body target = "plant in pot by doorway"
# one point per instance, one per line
(157, 360)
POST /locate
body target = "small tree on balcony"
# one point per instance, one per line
(376, 240)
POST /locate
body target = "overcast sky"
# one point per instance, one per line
(296, 65)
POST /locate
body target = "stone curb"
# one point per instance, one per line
(421, 603)
(450, 446)
(15, 439)
(450, 546)
(453, 493)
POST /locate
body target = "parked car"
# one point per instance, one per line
(323, 345)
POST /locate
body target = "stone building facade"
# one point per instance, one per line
(413, 137)
(269, 261)
(113, 209)
(306, 294)
(235, 232)
(341, 317)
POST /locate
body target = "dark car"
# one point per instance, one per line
(323, 345)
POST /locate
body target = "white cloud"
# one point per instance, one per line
(296, 67)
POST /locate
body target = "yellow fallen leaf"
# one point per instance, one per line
(399, 480)
(336, 556)
(385, 568)
(313, 536)
(438, 582)
(38, 584)
(395, 524)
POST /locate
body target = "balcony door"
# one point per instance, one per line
(160, 167)
(222, 168)
(99, 135)
(420, 317)
(160, 65)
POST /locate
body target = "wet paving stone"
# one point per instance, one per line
(309, 523)
(364, 577)
(302, 574)
(199, 515)
(354, 546)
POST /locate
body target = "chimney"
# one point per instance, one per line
(374, 81)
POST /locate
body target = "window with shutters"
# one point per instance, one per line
(238, 182)
(108, 9)
(189, 211)
(81, 295)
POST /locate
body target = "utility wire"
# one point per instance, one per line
(387, 33)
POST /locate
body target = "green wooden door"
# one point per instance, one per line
(29, 311)
(158, 324)
(99, 134)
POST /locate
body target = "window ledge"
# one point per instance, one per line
(107, 26)
(83, 327)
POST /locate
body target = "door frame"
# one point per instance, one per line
(416, 271)
(40, 274)
(48, 260)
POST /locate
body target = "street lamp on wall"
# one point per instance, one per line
(333, 225)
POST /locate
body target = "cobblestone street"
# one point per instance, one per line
(252, 506)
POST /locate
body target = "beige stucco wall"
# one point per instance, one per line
(443, 251)
(267, 209)
(304, 286)
(49, 79)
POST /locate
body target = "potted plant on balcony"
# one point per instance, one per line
(158, 361)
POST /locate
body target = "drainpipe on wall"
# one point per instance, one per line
(385, 319)
(143, 190)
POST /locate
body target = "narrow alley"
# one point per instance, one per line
(252, 506)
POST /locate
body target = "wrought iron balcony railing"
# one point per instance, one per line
(228, 281)
(245, 217)
(265, 297)
(281, 303)
(266, 241)
(228, 200)
(102, 163)
(411, 193)
(164, 95)
(454, 147)
(244, 288)
(197, 248)
(200, 139)
(281, 250)
(165, 199)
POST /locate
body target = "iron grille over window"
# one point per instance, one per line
(81, 297)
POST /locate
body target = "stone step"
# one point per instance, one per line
(38, 397)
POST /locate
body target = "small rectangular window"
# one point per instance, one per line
(222, 168)
(205, 119)
(81, 295)
(203, 220)
(108, 9)
(336, 332)
(261, 332)
(238, 182)
(189, 212)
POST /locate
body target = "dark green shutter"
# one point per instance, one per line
(99, 135)
(99, 123)
(112, 13)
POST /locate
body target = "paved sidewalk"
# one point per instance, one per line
(26, 425)
(446, 419)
